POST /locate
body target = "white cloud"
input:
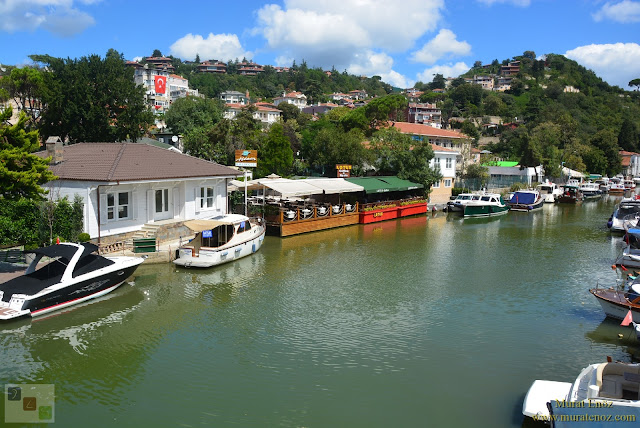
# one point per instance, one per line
(522, 3)
(617, 63)
(447, 70)
(59, 17)
(444, 44)
(371, 64)
(624, 12)
(223, 47)
(334, 32)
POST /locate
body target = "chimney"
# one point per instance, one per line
(54, 149)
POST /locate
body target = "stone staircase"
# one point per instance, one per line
(148, 231)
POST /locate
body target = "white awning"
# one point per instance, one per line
(567, 172)
(333, 185)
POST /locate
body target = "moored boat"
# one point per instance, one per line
(590, 191)
(617, 303)
(616, 186)
(221, 240)
(571, 194)
(609, 388)
(526, 200)
(626, 213)
(461, 200)
(549, 191)
(489, 205)
(74, 275)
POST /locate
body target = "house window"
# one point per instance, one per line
(206, 197)
(447, 182)
(436, 185)
(118, 206)
(449, 163)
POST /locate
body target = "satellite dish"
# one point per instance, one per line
(174, 138)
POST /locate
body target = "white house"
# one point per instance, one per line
(265, 114)
(445, 160)
(298, 99)
(126, 185)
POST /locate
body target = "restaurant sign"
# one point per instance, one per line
(344, 171)
(247, 158)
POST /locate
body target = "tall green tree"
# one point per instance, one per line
(628, 137)
(92, 99)
(21, 172)
(188, 113)
(276, 155)
(26, 87)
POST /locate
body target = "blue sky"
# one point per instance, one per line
(401, 40)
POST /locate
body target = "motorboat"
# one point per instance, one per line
(549, 191)
(626, 214)
(603, 184)
(616, 186)
(220, 240)
(629, 184)
(489, 205)
(461, 200)
(590, 190)
(602, 389)
(74, 274)
(571, 193)
(526, 200)
(617, 302)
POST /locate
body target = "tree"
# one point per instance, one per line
(438, 82)
(197, 60)
(26, 87)
(21, 172)
(188, 113)
(477, 64)
(276, 155)
(606, 141)
(628, 136)
(156, 53)
(636, 83)
(289, 111)
(92, 99)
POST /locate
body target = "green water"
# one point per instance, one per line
(427, 321)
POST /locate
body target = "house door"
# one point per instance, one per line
(161, 211)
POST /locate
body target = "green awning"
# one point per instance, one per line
(384, 184)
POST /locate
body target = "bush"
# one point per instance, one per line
(457, 190)
(517, 186)
(84, 237)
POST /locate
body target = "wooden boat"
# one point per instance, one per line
(221, 240)
(571, 194)
(489, 205)
(526, 200)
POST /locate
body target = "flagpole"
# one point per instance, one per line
(245, 193)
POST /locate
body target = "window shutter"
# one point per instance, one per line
(150, 201)
(196, 198)
(134, 204)
(176, 203)
(103, 209)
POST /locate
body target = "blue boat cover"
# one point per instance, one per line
(523, 198)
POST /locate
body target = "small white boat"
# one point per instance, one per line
(590, 190)
(461, 200)
(489, 205)
(549, 191)
(220, 240)
(610, 388)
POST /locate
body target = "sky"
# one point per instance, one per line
(403, 41)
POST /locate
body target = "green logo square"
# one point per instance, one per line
(45, 412)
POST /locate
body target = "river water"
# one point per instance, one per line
(425, 321)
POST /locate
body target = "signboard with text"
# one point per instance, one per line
(344, 170)
(247, 158)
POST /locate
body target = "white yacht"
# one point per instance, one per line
(550, 191)
(610, 388)
(220, 240)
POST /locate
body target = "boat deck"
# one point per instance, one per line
(614, 296)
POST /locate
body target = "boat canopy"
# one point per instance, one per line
(523, 198)
(384, 184)
(200, 225)
(64, 250)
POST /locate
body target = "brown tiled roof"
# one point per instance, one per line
(131, 162)
(429, 131)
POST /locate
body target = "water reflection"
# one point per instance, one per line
(387, 324)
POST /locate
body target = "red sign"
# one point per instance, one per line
(161, 84)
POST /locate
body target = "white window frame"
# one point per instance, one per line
(436, 185)
(115, 208)
(449, 163)
(207, 198)
(447, 182)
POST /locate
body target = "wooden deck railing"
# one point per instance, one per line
(313, 212)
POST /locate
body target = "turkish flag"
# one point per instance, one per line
(627, 319)
(161, 84)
